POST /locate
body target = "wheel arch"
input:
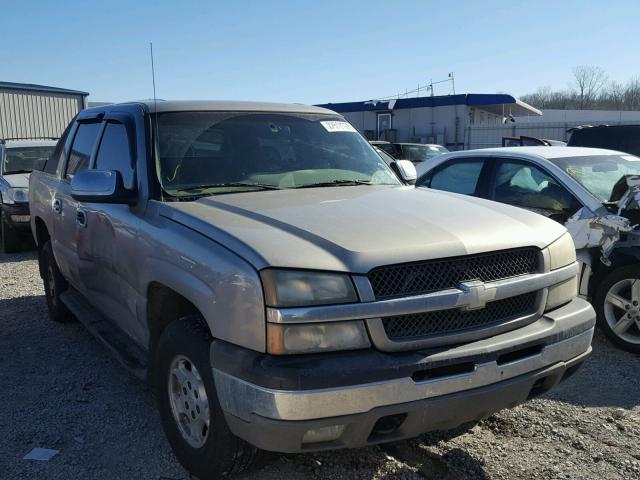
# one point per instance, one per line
(621, 257)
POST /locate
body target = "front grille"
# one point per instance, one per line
(423, 277)
(420, 325)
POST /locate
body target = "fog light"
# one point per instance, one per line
(20, 218)
(323, 434)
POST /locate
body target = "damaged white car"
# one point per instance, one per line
(595, 193)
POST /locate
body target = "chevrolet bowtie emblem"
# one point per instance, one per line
(476, 294)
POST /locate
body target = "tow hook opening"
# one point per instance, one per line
(386, 426)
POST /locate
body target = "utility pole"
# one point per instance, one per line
(453, 82)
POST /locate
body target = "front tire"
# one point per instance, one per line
(191, 415)
(617, 305)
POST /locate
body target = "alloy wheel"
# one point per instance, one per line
(622, 309)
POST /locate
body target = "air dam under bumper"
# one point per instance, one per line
(423, 391)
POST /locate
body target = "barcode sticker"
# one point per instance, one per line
(337, 126)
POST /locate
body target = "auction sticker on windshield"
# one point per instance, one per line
(337, 126)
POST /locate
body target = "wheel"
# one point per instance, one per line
(10, 241)
(54, 285)
(191, 415)
(617, 304)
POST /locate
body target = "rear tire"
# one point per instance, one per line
(10, 241)
(194, 422)
(617, 305)
(54, 285)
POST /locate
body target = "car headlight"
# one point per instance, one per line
(285, 338)
(299, 288)
(15, 195)
(562, 252)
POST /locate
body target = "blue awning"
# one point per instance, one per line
(490, 102)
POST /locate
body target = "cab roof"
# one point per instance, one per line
(161, 106)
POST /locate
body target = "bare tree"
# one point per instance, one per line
(632, 94)
(613, 96)
(588, 80)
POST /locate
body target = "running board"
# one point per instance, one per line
(126, 351)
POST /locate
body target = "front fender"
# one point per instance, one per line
(225, 289)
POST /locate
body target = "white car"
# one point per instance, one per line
(18, 158)
(595, 193)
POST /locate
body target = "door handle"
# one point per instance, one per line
(81, 218)
(56, 205)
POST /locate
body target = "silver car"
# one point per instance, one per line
(18, 158)
(595, 193)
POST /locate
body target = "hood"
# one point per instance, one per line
(17, 180)
(354, 229)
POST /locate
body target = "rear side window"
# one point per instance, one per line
(458, 177)
(82, 147)
(115, 154)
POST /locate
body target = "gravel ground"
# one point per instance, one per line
(60, 389)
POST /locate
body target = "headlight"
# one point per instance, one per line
(15, 195)
(285, 338)
(562, 252)
(298, 288)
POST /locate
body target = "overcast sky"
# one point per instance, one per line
(312, 51)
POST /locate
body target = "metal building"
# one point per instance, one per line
(449, 120)
(28, 111)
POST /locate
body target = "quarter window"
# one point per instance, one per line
(115, 154)
(82, 147)
(458, 177)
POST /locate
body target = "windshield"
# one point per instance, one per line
(599, 173)
(25, 159)
(225, 152)
(420, 153)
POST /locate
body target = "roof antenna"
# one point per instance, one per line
(155, 115)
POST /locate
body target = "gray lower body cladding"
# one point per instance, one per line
(406, 393)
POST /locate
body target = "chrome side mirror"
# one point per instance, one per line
(406, 170)
(101, 186)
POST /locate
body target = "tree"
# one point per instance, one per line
(588, 80)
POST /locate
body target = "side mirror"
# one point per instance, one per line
(101, 186)
(406, 170)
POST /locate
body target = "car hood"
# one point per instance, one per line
(357, 228)
(17, 180)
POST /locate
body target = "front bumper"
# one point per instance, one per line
(17, 216)
(273, 402)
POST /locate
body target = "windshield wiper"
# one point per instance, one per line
(335, 183)
(261, 186)
(15, 172)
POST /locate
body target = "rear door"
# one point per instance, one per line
(107, 233)
(81, 151)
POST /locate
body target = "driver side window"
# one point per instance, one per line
(525, 185)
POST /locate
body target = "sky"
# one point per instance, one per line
(312, 51)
